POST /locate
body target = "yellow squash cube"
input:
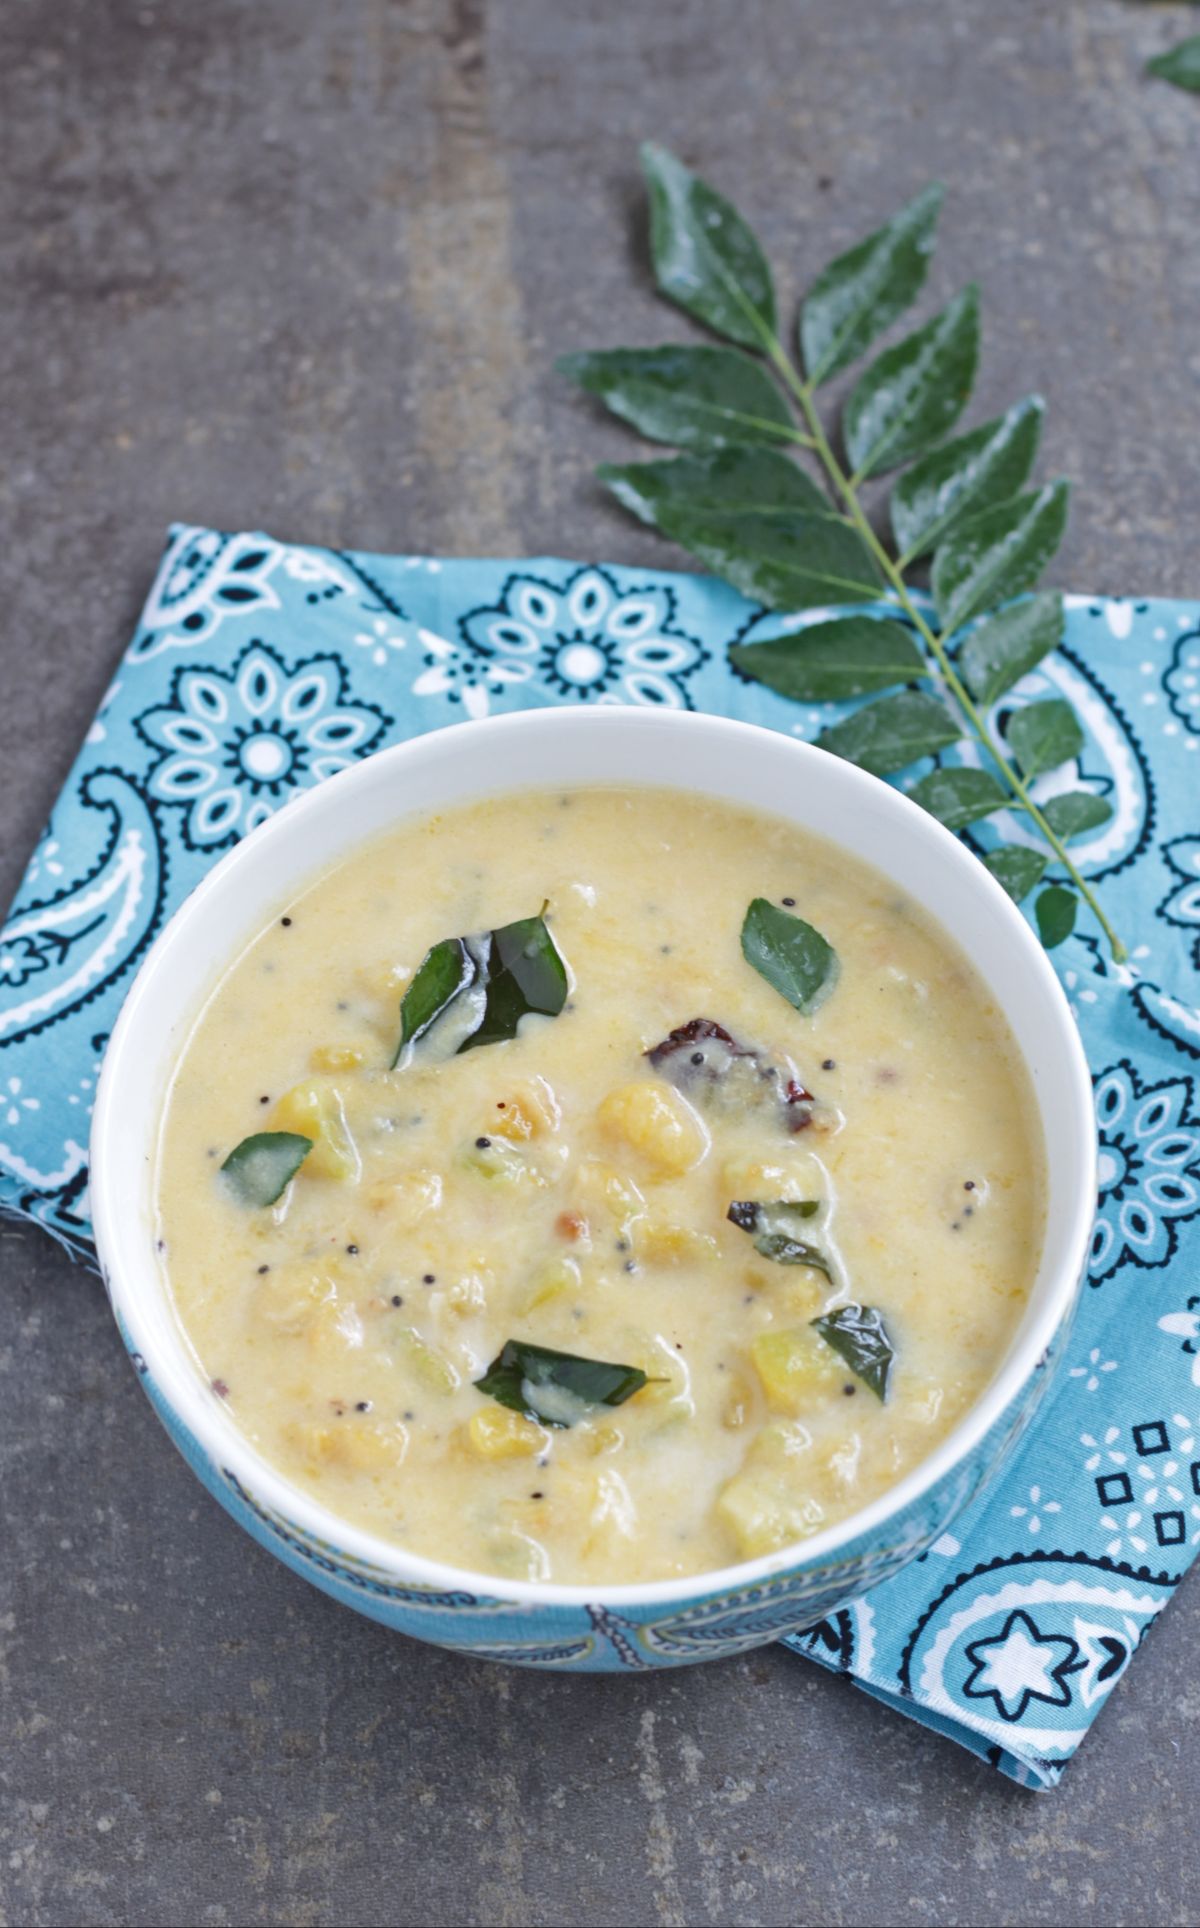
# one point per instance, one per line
(659, 1242)
(287, 1297)
(408, 1199)
(429, 1366)
(315, 1109)
(657, 1124)
(796, 1368)
(530, 1111)
(495, 1432)
(556, 1281)
(337, 1057)
(764, 1516)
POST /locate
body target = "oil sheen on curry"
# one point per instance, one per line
(600, 1186)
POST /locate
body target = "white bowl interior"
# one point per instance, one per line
(759, 768)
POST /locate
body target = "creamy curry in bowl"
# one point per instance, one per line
(599, 1185)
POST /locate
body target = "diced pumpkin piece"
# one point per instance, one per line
(365, 1447)
(796, 1367)
(502, 1162)
(337, 1057)
(517, 1555)
(287, 1296)
(660, 1242)
(466, 1295)
(312, 1444)
(430, 1366)
(608, 1201)
(315, 1109)
(658, 1124)
(763, 1516)
(496, 1433)
(333, 1328)
(408, 1199)
(530, 1111)
(355, 1444)
(556, 1280)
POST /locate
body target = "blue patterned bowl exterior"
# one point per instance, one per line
(713, 1622)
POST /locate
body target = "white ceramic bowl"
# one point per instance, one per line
(668, 1622)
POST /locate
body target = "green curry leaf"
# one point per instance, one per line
(959, 796)
(774, 1229)
(793, 957)
(915, 392)
(1043, 735)
(1073, 811)
(1180, 65)
(977, 470)
(997, 554)
(260, 1169)
(888, 735)
(1055, 910)
(1018, 867)
(802, 562)
(859, 1335)
(850, 656)
(556, 1388)
(860, 293)
(1000, 649)
(494, 980)
(705, 257)
(738, 481)
(702, 398)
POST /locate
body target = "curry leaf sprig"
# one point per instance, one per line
(738, 500)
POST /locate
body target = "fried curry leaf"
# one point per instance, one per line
(773, 1227)
(556, 1388)
(857, 1333)
(705, 1061)
(261, 1168)
(505, 974)
(793, 957)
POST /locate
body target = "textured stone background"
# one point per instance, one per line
(304, 264)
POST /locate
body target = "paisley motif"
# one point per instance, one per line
(204, 579)
(1033, 1640)
(58, 953)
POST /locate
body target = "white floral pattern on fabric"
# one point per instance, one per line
(234, 747)
(15, 1102)
(1091, 1372)
(584, 639)
(1149, 1170)
(203, 579)
(454, 673)
(1033, 1512)
(1181, 906)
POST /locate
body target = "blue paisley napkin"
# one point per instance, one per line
(260, 668)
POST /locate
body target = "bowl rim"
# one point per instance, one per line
(178, 1382)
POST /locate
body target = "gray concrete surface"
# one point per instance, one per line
(305, 264)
